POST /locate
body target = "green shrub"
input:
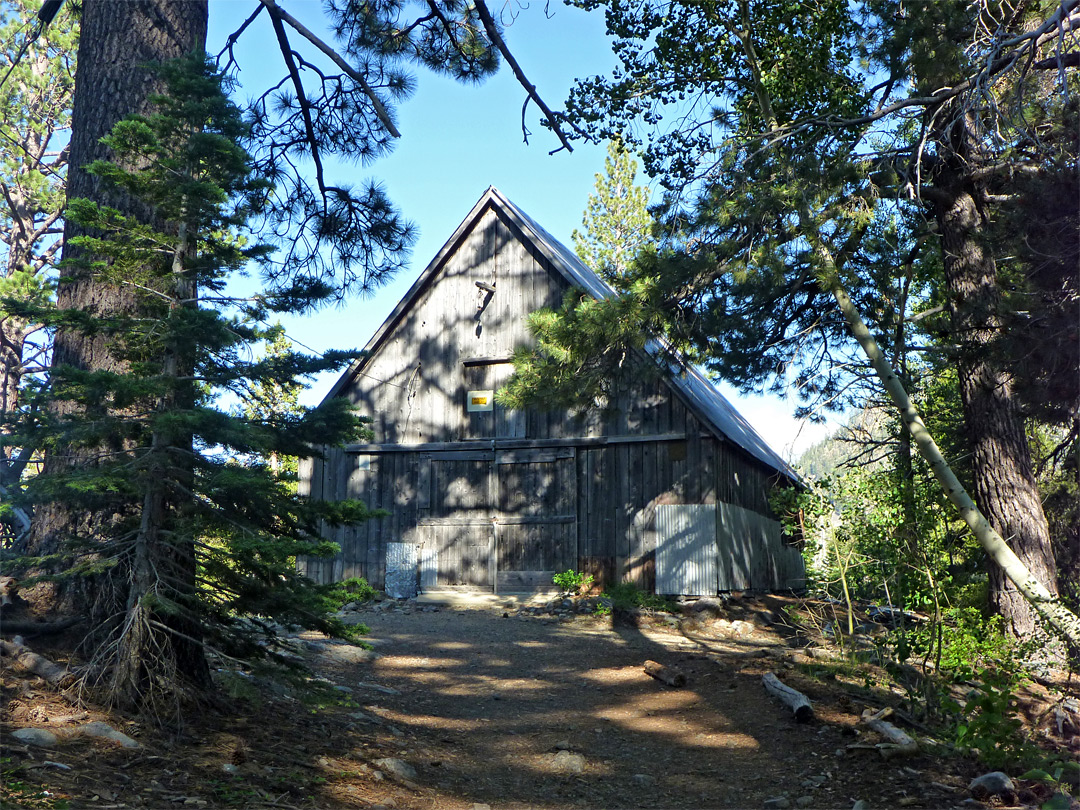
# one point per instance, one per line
(572, 581)
(627, 595)
(353, 589)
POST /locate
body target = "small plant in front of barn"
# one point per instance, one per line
(353, 589)
(191, 530)
(628, 596)
(573, 582)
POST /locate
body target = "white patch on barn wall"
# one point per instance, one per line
(686, 556)
(704, 549)
(429, 568)
(401, 570)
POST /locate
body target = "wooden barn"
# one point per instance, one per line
(669, 490)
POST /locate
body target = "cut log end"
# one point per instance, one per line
(668, 675)
(795, 700)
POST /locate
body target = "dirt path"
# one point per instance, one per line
(486, 703)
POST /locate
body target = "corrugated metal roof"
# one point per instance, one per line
(702, 396)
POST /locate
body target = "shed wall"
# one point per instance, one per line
(648, 449)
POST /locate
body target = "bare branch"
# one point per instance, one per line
(235, 35)
(497, 40)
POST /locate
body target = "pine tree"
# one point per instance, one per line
(38, 66)
(273, 401)
(192, 549)
(616, 220)
(777, 151)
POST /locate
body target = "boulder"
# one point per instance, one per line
(568, 762)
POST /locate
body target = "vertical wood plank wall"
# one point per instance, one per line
(414, 389)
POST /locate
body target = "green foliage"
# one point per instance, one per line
(35, 101)
(572, 581)
(584, 351)
(275, 400)
(353, 589)
(616, 221)
(627, 596)
(991, 726)
(195, 534)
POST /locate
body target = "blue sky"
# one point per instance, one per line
(459, 139)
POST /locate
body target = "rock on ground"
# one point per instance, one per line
(105, 732)
(569, 762)
(397, 767)
(995, 783)
(35, 736)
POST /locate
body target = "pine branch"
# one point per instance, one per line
(278, 13)
(302, 100)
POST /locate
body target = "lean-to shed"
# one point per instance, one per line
(669, 489)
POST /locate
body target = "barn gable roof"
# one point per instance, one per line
(711, 406)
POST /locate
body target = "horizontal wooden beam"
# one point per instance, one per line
(497, 519)
(532, 520)
(486, 361)
(513, 444)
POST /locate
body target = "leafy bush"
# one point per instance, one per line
(353, 589)
(987, 724)
(572, 581)
(627, 595)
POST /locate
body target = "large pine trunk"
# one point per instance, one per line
(1005, 487)
(118, 39)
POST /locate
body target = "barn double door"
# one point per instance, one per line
(497, 520)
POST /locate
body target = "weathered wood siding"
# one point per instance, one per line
(531, 493)
(414, 388)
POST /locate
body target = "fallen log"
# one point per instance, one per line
(54, 674)
(792, 698)
(899, 742)
(668, 675)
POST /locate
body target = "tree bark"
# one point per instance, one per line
(1004, 481)
(119, 38)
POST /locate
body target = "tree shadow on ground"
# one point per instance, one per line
(485, 705)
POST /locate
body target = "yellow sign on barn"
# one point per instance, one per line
(479, 401)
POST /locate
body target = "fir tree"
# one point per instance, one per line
(616, 222)
(192, 546)
(273, 401)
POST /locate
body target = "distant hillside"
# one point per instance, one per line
(850, 444)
